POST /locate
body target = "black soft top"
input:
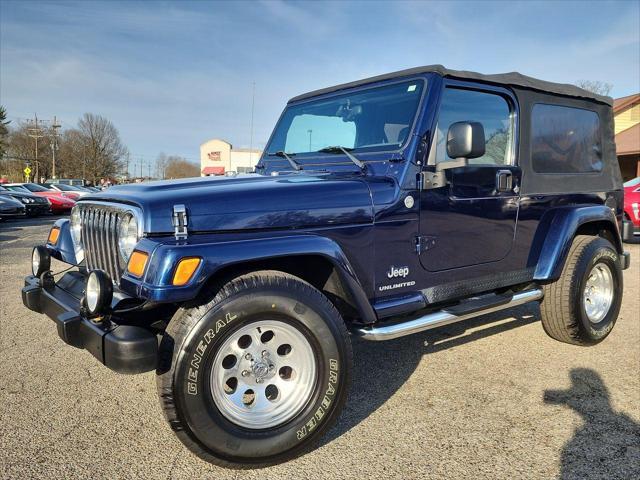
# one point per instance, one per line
(510, 79)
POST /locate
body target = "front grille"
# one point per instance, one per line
(99, 235)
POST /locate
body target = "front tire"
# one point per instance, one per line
(582, 306)
(252, 377)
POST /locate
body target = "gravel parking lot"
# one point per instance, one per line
(489, 398)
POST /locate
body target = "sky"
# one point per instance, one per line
(171, 75)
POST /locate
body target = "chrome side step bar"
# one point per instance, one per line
(440, 318)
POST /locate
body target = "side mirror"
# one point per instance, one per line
(465, 140)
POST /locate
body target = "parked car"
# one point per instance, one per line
(79, 182)
(10, 207)
(34, 205)
(426, 196)
(70, 191)
(631, 223)
(60, 201)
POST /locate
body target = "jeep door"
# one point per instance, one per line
(471, 218)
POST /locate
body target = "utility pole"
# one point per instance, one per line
(309, 132)
(35, 132)
(54, 146)
(253, 101)
(84, 163)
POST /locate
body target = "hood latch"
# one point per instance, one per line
(180, 222)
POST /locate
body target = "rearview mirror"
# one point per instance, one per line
(465, 140)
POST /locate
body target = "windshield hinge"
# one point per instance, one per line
(396, 158)
(180, 222)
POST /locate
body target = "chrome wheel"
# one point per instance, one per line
(263, 374)
(598, 293)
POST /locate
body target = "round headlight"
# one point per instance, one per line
(76, 226)
(127, 236)
(40, 260)
(98, 292)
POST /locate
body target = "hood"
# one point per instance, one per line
(248, 202)
(9, 200)
(16, 194)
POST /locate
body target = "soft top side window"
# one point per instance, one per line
(491, 110)
(565, 140)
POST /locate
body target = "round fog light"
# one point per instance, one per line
(98, 292)
(40, 260)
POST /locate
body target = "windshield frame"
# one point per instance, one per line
(376, 150)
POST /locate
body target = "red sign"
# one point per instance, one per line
(214, 156)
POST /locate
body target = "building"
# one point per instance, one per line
(218, 157)
(626, 115)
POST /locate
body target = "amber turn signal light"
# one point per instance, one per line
(54, 233)
(185, 269)
(137, 262)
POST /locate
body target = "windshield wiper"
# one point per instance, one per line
(339, 149)
(295, 165)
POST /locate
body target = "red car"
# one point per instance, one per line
(60, 202)
(631, 222)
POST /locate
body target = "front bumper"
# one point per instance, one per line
(33, 209)
(122, 348)
(630, 232)
(12, 212)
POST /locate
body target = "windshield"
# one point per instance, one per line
(632, 183)
(65, 188)
(32, 187)
(18, 188)
(375, 119)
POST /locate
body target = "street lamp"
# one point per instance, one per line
(309, 132)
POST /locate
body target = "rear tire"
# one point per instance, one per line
(236, 406)
(582, 306)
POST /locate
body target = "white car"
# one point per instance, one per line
(60, 187)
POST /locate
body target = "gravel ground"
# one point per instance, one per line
(489, 398)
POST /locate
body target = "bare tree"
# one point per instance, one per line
(71, 161)
(20, 152)
(161, 165)
(595, 86)
(91, 151)
(178, 167)
(104, 149)
(4, 130)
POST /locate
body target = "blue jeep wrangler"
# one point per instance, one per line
(380, 208)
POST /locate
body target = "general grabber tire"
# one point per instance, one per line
(254, 376)
(582, 306)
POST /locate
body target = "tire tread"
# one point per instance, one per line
(183, 322)
(557, 309)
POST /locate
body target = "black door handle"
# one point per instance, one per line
(504, 181)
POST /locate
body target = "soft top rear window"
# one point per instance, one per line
(565, 140)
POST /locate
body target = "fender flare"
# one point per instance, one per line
(218, 254)
(561, 230)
